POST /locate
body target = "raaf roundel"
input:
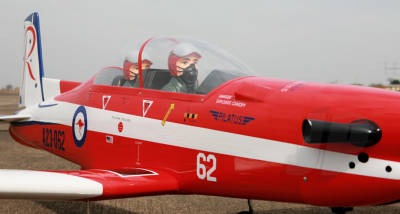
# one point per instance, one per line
(184, 117)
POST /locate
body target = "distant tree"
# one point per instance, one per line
(356, 83)
(9, 87)
(394, 82)
(376, 85)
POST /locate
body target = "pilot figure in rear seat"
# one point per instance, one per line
(182, 64)
(131, 70)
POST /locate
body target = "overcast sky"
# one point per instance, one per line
(321, 41)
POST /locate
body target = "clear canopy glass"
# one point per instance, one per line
(215, 66)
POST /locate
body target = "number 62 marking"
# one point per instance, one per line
(201, 171)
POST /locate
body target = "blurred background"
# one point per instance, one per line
(345, 42)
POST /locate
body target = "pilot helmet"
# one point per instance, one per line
(181, 50)
(132, 58)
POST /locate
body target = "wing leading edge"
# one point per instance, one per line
(13, 118)
(82, 184)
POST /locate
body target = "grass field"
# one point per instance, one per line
(16, 156)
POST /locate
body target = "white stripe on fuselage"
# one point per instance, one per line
(214, 141)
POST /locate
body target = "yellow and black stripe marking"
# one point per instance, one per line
(190, 117)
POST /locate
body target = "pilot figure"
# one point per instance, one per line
(131, 70)
(182, 64)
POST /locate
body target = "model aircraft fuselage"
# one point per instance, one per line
(247, 137)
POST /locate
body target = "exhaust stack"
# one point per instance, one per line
(361, 133)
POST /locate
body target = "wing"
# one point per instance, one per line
(12, 118)
(83, 184)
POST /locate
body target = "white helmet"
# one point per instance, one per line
(184, 49)
(133, 56)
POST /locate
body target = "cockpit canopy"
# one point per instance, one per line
(214, 66)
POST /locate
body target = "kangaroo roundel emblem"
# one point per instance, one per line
(79, 126)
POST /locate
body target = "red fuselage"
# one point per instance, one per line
(244, 139)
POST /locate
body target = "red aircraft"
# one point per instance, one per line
(183, 117)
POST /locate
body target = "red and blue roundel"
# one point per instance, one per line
(79, 126)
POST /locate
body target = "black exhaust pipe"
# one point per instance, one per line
(362, 133)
